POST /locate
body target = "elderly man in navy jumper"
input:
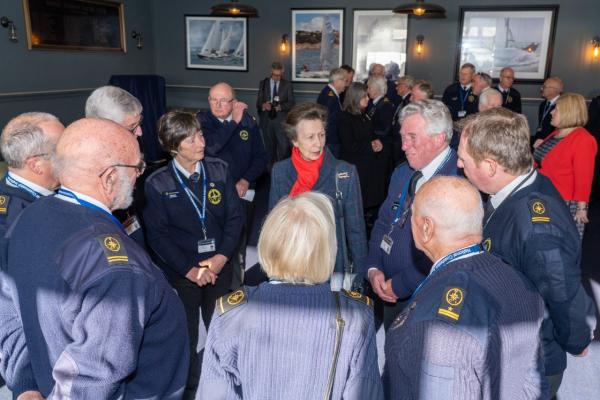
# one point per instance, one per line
(529, 227)
(100, 320)
(471, 330)
(27, 144)
(394, 266)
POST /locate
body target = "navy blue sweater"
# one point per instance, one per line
(329, 99)
(97, 314)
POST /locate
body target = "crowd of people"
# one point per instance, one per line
(375, 219)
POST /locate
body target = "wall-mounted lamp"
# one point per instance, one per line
(12, 31)
(140, 39)
(284, 46)
(596, 43)
(420, 39)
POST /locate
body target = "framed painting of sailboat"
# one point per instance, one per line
(218, 43)
(317, 43)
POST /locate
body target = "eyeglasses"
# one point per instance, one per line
(220, 102)
(140, 167)
(45, 155)
(134, 127)
(548, 87)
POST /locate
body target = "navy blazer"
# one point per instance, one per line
(329, 99)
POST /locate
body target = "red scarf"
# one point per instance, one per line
(307, 171)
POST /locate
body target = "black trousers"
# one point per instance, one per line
(199, 300)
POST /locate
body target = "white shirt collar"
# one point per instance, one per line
(33, 186)
(83, 197)
(502, 194)
(503, 89)
(430, 168)
(406, 95)
(377, 100)
(228, 119)
(554, 99)
(183, 171)
(334, 91)
(457, 258)
(465, 86)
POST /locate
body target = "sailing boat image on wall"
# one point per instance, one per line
(316, 43)
(216, 43)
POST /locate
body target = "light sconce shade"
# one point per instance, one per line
(284, 46)
(596, 43)
(12, 30)
(420, 39)
(421, 9)
(140, 39)
(233, 9)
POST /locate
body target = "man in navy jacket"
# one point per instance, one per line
(330, 98)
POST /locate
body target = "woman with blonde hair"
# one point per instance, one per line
(568, 154)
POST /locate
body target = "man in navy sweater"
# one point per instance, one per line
(100, 320)
(529, 227)
(330, 98)
(394, 266)
(27, 144)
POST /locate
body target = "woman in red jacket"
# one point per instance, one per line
(567, 155)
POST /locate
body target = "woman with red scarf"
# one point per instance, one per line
(312, 167)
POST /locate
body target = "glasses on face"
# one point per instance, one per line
(134, 127)
(140, 167)
(547, 87)
(220, 102)
(45, 155)
(507, 77)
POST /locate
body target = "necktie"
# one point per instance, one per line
(489, 210)
(195, 177)
(274, 90)
(413, 183)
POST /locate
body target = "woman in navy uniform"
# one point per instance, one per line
(194, 219)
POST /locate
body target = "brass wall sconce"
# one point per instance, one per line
(284, 46)
(596, 43)
(234, 9)
(12, 30)
(420, 39)
(140, 39)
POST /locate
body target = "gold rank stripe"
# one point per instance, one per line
(540, 219)
(221, 304)
(448, 314)
(117, 258)
(3, 209)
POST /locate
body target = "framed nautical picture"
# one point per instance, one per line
(219, 43)
(492, 38)
(317, 43)
(379, 36)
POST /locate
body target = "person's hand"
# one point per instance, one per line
(581, 217)
(389, 291)
(376, 145)
(206, 276)
(242, 187)
(192, 275)
(377, 279)
(266, 106)
(238, 110)
(584, 352)
(30, 395)
(537, 143)
(215, 264)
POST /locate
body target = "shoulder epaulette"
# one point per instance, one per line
(231, 301)
(453, 299)
(113, 248)
(4, 200)
(330, 93)
(539, 211)
(358, 297)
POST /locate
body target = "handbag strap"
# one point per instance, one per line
(339, 332)
(338, 199)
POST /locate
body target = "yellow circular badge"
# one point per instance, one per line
(509, 99)
(354, 295)
(214, 196)
(538, 208)
(244, 135)
(235, 297)
(112, 244)
(471, 98)
(487, 244)
(454, 297)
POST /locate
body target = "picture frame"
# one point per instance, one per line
(379, 36)
(82, 25)
(521, 37)
(317, 43)
(216, 43)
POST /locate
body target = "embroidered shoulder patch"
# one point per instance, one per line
(113, 248)
(231, 301)
(330, 94)
(539, 211)
(453, 299)
(358, 297)
(4, 200)
(343, 175)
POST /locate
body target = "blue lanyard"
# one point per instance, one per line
(71, 195)
(22, 186)
(476, 248)
(193, 198)
(405, 192)
(463, 98)
(546, 111)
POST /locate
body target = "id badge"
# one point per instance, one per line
(131, 225)
(386, 244)
(206, 245)
(462, 114)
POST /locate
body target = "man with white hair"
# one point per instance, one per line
(330, 98)
(381, 112)
(377, 70)
(461, 336)
(117, 105)
(489, 98)
(394, 266)
(481, 81)
(550, 90)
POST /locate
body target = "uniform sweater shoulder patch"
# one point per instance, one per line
(453, 299)
(4, 200)
(358, 297)
(539, 211)
(231, 301)
(330, 93)
(114, 249)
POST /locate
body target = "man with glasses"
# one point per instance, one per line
(99, 318)
(27, 144)
(511, 98)
(394, 266)
(551, 90)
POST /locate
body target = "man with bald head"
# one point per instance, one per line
(550, 91)
(489, 98)
(100, 320)
(511, 98)
(461, 336)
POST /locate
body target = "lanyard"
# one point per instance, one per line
(546, 111)
(510, 194)
(404, 192)
(193, 198)
(473, 249)
(463, 98)
(71, 195)
(22, 186)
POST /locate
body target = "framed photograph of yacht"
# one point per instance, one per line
(520, 37)
(317, 43)
(218, 43)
